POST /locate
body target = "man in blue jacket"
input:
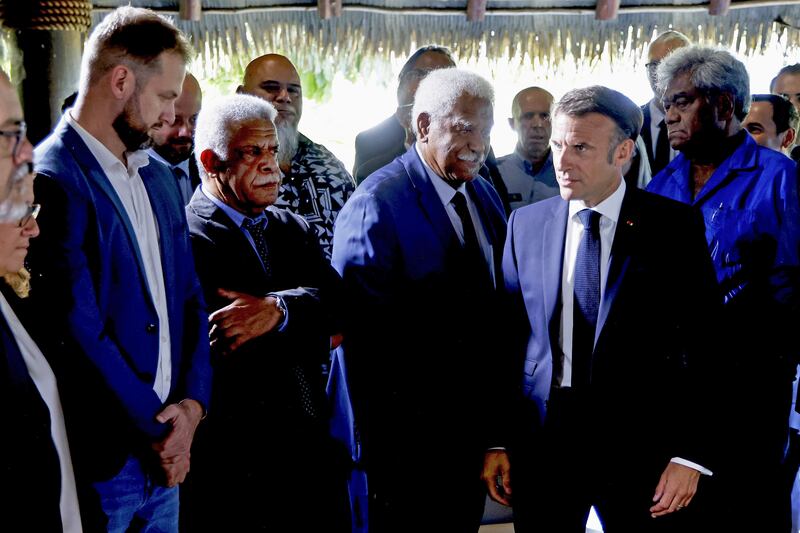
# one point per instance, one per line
(748, 197)
(115, 281)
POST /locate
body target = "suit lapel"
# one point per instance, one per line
(96, 176)
(554, 235)
(620, 258)
(160, 195)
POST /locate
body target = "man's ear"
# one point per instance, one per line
(423, 127)
(624, 152)
(511, 124)
(211, 162)
(123, 82)
(725, 106)
(788, 138)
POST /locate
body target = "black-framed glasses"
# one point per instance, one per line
(31, 213)
(18, 135)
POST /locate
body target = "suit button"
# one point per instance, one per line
(150, 328)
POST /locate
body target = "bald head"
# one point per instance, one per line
(175, 142)
(530, 118)
(663, 45)
(273, 78)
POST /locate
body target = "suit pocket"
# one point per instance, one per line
(530, 367)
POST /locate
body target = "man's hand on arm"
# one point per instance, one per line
(497, 476)
(245, 318)
(675, 489)
(174, 450)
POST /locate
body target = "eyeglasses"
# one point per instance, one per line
(31, 213)
(17, 135)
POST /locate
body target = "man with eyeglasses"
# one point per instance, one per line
(35, 460)
(654, 130)
(748, 197)
(315, 183)
(114, 279)
(274, 307)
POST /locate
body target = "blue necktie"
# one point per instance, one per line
(258, 232)
(184, 187)
(587, 298)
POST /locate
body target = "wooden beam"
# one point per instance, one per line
(476, 10)
(190, 9)
(329, 8)
(718, 7)
(606, 10)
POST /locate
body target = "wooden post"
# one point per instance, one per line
(476, 10)
(606, 10)
(718, 7)
(49, 37)
(190, 9)
(329, 8)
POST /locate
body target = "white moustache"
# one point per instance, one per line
(472, 158)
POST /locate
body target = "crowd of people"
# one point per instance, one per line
(602, 318)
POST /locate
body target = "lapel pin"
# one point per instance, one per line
(629, 222)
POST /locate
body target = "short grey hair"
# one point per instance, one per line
(438, 92)
(219, 120)
(713, 71)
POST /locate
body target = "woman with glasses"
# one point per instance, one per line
(35, 466)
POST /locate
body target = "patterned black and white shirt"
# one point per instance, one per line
(316, 188)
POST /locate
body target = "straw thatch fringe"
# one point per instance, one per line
(361, 39)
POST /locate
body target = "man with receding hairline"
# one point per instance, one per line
(315, 183)
(528, 171)
(114, 276)
(173, 144)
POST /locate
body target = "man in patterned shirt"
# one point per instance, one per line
(315, 183)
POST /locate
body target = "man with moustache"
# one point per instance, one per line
(173, 144)
(418, 246)
(315, 184)
(274, 308)
(114, 279)
(654, 130)
(748, 197)
(528, 172)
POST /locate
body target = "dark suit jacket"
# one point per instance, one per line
(29, 466)
(258, 401)
(98, 318)
(419, 333)
(653, 332)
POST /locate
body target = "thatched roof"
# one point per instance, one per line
(231, 32)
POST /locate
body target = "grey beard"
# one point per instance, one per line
(288, 142)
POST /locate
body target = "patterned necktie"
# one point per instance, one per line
(587, 298)
(662, 148)
(184, 187)
(257, 231)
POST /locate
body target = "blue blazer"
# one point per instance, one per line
(419, 332)
(89, 279)
(651, 343)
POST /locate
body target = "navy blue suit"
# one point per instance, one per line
(102, 327)
(419, 338)
(650, 350)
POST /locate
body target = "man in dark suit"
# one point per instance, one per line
(418, 246)
(114, 279)
(654, 130)
(273, 297)
(608, 358)
(173, 144)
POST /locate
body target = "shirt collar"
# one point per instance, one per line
(443, 189)
(105, 158)
(609, 207)
(237, 217)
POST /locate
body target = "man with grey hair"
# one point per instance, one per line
(273, 297)
(418, 246)
(598, 281)
(749, 200)
(654, 131)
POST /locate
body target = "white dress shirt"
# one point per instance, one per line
(446, 194)
(45, 382)
(132, 193)
(609, 210)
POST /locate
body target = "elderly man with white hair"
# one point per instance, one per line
(271, 297)
(418, 246)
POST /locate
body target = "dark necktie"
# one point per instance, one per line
(662, 148)
(587, 298)
(184, 187)
(258, 232)
(472, 249)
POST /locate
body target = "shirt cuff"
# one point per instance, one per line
(282, 307)
(684, 462)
